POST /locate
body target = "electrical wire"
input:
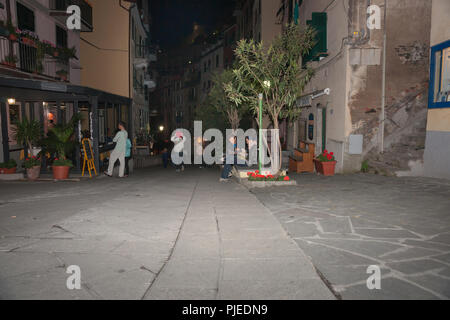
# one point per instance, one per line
(328, 5)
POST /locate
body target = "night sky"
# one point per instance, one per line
(173, 19)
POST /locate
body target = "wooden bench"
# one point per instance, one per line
(303, 158)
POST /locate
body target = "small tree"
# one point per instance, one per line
(60, 139)
(27, 132)
(276, 72)
(219, 98)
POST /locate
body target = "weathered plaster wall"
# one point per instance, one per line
(407, 61)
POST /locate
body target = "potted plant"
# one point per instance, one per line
(8, 167)
(29, 38)
(27, 133)
(33, 167)
(62, 74)
(13, 32)
(60, 141)
(10, 61)
(60, 168)
(325, 163)
(49, 48)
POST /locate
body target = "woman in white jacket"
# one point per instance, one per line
(178, 140)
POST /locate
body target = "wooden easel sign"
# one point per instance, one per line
(88, 157)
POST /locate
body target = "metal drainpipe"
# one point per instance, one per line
(383, 85)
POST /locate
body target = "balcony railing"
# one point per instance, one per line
(21, 56)
(59, 7)
(145, 52)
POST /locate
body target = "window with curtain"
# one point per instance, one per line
(440, 76)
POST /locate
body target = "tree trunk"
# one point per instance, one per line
(276, 163)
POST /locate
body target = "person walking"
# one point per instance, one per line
(127, 157)
(178, 140)
(119, 151)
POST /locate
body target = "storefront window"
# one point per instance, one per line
(14, 117)
(440, 76)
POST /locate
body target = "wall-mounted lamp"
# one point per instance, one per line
(161, 128)
(12, 101)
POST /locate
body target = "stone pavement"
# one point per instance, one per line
(155, 235)
(348, 222)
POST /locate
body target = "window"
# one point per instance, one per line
(61, 37)
(439, 95)
(25, 18)
(319, 23)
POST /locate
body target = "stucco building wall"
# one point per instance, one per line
(437, 145)
(107, 46)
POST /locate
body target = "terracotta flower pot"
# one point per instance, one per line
(325, 168)
(9, 64)
(33, 173)
(60, 172)
(8, 171)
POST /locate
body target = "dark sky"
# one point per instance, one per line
(173, 19)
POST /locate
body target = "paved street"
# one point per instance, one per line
(348, 222)
(156, 235)
(166, 235)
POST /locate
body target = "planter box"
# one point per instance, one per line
(8, 171)
(325, 168)
(266, 184)
(11, 177)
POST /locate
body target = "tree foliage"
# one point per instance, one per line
(278, 65)
(27, 132)
(219, 99)
(60, 138)
(274, 71)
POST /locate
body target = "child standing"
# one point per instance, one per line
(127, 157)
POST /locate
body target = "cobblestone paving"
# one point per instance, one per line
(348, 222)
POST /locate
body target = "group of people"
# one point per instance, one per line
(230, 160)
(122, 152)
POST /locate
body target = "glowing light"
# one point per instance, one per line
(12, 101)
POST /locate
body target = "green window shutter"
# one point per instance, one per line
(319, 23)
